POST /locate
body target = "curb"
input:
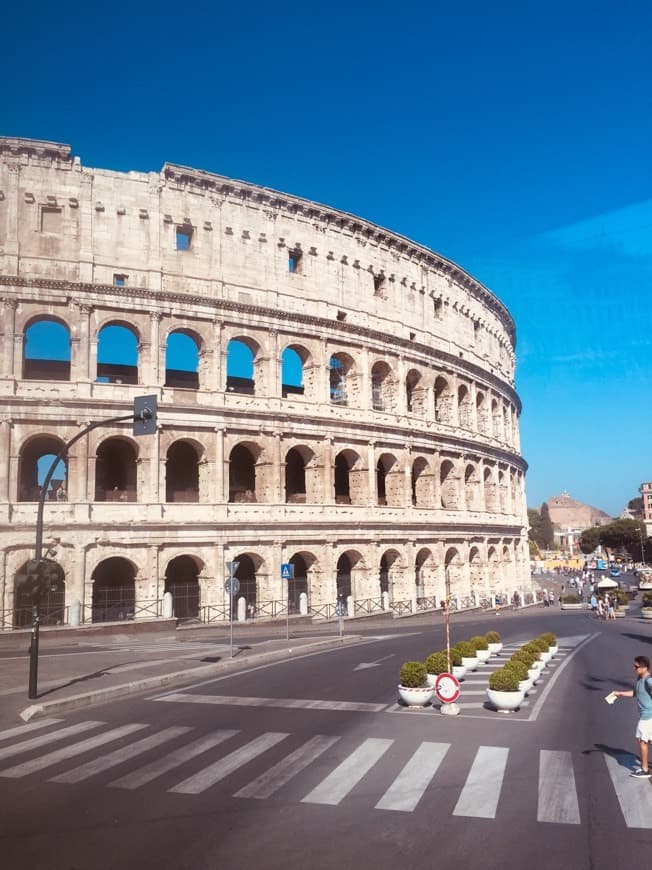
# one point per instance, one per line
(74, 702)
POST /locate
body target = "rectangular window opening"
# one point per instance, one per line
(51, 219)
(183, 238)
(120, 280)
(294, 260)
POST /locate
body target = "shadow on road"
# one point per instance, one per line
(624, 757)
(642, 638)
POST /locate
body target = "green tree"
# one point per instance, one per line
(589, 540)
(624, 535)
(534, 522)
(547, 528)
(636, 505)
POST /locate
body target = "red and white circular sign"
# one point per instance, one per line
(447, 688)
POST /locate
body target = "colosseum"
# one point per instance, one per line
(331, 396)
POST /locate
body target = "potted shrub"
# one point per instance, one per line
(457, 667)
(551, 640)
(528, 659)
(521, 671)
(413, 688)
(467, 651)
(495, 644)
(436, 664)
(481, 645)
(646, 611)
(571, 602)
(503, 691)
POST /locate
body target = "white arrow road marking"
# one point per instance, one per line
(364, 665)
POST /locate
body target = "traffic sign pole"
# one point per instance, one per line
(287, 573)
(232, 586)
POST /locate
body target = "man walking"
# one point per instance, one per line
(642, 691)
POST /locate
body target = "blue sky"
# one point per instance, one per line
(515, 141)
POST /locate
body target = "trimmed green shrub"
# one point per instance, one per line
(549, 638)
(504, 680)
(519, 668)
(492, 637)
(621, 597)
(456, 657)
(465, 649)
(522, 655)
(480, 642)
(413, 675)
(536, 646)
(436, 663)
(570, 599)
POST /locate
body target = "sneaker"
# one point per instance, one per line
(639, 773)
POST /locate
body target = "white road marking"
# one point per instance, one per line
(287, 703)
(634, 795)
(44, 739)
(277, 776)
(207, 777)
(69, 751)
(349, 773)
(407, 789)
(25, 729)
(557, 792)
(119, 756)
(481, 792)
(174, 759)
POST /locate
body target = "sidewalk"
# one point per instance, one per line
(74, 675)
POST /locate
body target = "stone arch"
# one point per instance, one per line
(415, 393)
(182, 581)
(448, 485)
(46, 349)
(453, 569)
(472, 489)
(296, 460)
(476, 573)
(502, 491)
(348, 564)
(422, 483)
(52, 601)
(114, 590)
(349, 478)
(391, 574)
(425, 574)
(294, 359)
(303, 562)
(342, 379)
(183, 349)
(496, 418)
(493, 569)
(35, 458)
(249, 566)
(482, 413)
(116, 470)
(242, 472)
(383, 396)
(464, 407)
(243, 365)
(490, 491)
(389, 481)
(444, 402)
(117, 353)
(182, 472)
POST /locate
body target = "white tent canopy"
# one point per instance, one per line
(607, 583)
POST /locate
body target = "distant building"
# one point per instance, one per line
(646, 494)
(571, 517)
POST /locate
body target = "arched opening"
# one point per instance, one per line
(343, 580)
(415, 394)
(472, 488)
(52, 602)
(292, 363)
(482, 413)
(182, 361)
(453, 572)
(295, 477)
(46, 351)
(36, 457)
(443, 402)
(298, 585)
(240, 368)
(493, 570)
(421, 483)
(490, 491)
(242, 475)
(115, 471)
(181, 580)
(182, 473)
(114, 590)
(389, 481)
(475, 574)
(448, 485)
(424, 577)
(349, 478)
(496, 418)
(341, 372)
(464, 407)
(117, 355)
(382, 388)
(246, 575)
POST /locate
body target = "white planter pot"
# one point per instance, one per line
(545, 657)
(553, 650)
(483, 655)
(646, 613)
(525, 686)
(533, 674)
(459, 672)
(505, 702)
(495, 648)
(538, 665)
(418, 697)
(470, 662)
(432, 679)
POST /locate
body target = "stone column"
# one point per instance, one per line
(10, 341)
(329, 471)
(371, 462)
(219, 488)
(5, 461)
(80, 351)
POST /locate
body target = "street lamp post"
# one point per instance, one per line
(640, 534)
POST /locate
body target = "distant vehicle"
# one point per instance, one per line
(645, 579)
(615, 572)
(600, 564)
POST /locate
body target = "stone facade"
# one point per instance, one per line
(370, 437)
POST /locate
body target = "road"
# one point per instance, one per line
(311, 761)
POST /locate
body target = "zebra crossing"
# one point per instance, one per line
(183, 763)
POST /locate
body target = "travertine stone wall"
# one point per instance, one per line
(421, 427)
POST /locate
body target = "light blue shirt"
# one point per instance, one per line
(643, 698)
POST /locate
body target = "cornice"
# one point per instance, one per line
(450, 361)
(15, 147)
(291, 205)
